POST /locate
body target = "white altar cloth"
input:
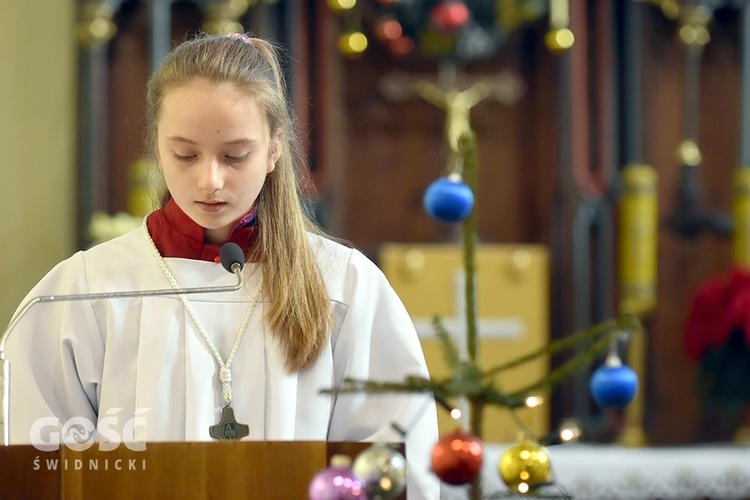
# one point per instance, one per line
(610, 472)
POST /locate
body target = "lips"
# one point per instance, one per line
(210, 206)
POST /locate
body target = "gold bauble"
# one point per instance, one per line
(341, 5)
(559, 40)
(95, 26)
(352, 44)
(525, 467)
(689, 153)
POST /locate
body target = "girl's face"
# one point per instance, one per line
(214, 148)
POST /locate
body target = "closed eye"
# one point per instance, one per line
(237, 158)
(184, 157)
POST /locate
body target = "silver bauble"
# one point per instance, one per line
(383, 469)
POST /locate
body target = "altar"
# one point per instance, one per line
(611, 472)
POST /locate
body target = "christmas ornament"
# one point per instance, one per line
(559, 40)
(450, 16)
(475, 42)
(613, 384)
(352, 43)
(341, 5)
(337, 482)
(383, 470)
(525, 466)
(457, 458)
(448, 199)
(435, 43)
(387, 30)
(401, 47)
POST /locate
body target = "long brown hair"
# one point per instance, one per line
(299, 314)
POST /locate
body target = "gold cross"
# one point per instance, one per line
(505, 87)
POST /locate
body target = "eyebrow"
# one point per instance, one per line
(178, 138)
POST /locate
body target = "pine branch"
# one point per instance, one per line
(626, 322)
(450, 350)
(410, 384)
(566, 370)
(467, 154)
(467, 379)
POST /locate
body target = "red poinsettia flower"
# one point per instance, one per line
(719, 307)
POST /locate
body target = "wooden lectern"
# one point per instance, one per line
(231, 469)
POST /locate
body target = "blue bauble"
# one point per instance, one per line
(448, 199)
(614, 386)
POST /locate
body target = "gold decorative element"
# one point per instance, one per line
(414, 264)
(352, 44)
(693, 30)
(559, 38)
(512, 14)
(525, 466)
(670, 8)
(456, 104)
(95, 26)
(638, 239)
(633, 433)
(692, 21)
(520, 263)
(222, 17)
(447, 95)
(741, 217)
(507, 87)
(742, 435)
(341, 460)
(688, 153)
(639, 226)
(341, 5)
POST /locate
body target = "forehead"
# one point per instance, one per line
(211, 104)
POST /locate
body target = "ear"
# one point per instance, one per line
(275, 152)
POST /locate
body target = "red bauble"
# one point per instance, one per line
(457, 458)
(449, 16)
(402, 46)
(387, 30)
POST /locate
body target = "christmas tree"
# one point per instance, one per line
(459, 32)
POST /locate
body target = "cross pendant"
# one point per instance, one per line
(228, 429)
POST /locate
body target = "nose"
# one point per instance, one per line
(210, 179)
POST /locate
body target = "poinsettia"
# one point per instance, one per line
(717, 336)
(721, 306)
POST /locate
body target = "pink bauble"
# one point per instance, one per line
(336, 483)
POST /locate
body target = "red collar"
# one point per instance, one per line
(177, 235)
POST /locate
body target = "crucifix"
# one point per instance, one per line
(454, 94)
(457, 96)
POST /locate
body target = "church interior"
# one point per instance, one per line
(606, 146)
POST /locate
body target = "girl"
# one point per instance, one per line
(221, 365)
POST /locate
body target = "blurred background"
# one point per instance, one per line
(611, 137)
